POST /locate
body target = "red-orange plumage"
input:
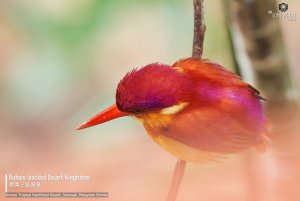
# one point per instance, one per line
(195, 109)
(225, 115)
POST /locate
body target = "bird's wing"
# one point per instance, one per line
(212, 130)
(232, 121)
(206, 70)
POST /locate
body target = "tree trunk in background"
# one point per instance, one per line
(258, 39)
(260, 56)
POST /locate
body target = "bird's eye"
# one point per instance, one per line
(137, 111)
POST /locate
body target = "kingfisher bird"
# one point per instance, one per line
(195, 109)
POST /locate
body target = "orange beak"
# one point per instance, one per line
(110, 113)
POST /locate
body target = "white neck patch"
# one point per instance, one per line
(174, 109)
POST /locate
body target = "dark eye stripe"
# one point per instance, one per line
(137, 111)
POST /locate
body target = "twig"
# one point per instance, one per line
(176, 180)
(199, 28)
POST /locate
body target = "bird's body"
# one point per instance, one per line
(195, 109)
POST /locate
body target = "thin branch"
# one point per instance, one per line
(176, 180)
(199, 28)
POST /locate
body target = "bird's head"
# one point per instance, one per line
(149, 89)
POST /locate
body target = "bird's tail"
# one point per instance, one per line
(266, 135)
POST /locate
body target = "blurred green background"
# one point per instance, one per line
(61, 61)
